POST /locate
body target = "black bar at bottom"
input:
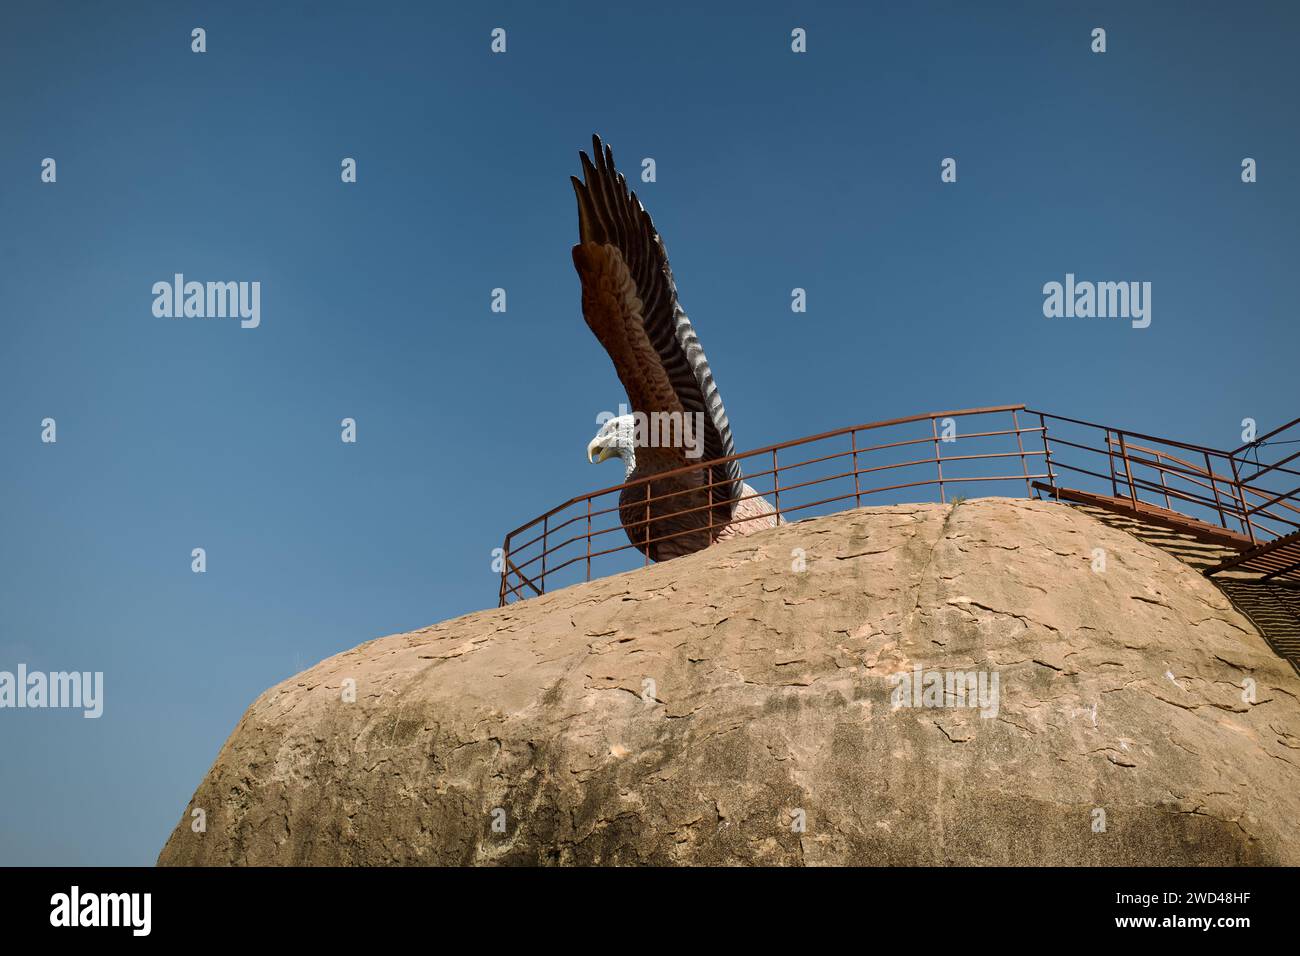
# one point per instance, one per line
(946, 906)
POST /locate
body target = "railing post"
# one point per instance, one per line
(646, 539)
(1247, 525)
(1209, 469)
(1160, 465)
(934, 427)
(708, 474)
(776, 486)
(505, 569)
(1110, 457)
(1024, 464)
(857, 490)
(1047, 457)
(589, 537)
(546, 525)
(1128, 471)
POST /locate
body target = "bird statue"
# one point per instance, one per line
(630, 302)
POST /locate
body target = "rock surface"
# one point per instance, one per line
(726, 708)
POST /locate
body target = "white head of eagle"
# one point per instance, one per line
(616, 438)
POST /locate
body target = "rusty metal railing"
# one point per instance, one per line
(882, 461)
(1189, 485)
(1209, 487)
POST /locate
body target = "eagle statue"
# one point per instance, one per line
(630, 302)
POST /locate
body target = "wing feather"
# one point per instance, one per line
(613, 311)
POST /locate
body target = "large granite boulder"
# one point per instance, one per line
(745, 705)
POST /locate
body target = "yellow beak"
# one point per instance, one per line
(597, 452)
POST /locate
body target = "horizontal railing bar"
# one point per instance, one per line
(1195, 469)
(928, 481)
(1286, 494)
(1175, 471)
(1276, 466)
(1131, 434)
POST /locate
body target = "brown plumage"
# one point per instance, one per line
(629, 301)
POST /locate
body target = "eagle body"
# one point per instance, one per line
(675, 508)
(629, 301)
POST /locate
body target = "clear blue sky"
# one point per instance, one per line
(775, 170)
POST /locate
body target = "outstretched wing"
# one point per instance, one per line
(630, 302)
